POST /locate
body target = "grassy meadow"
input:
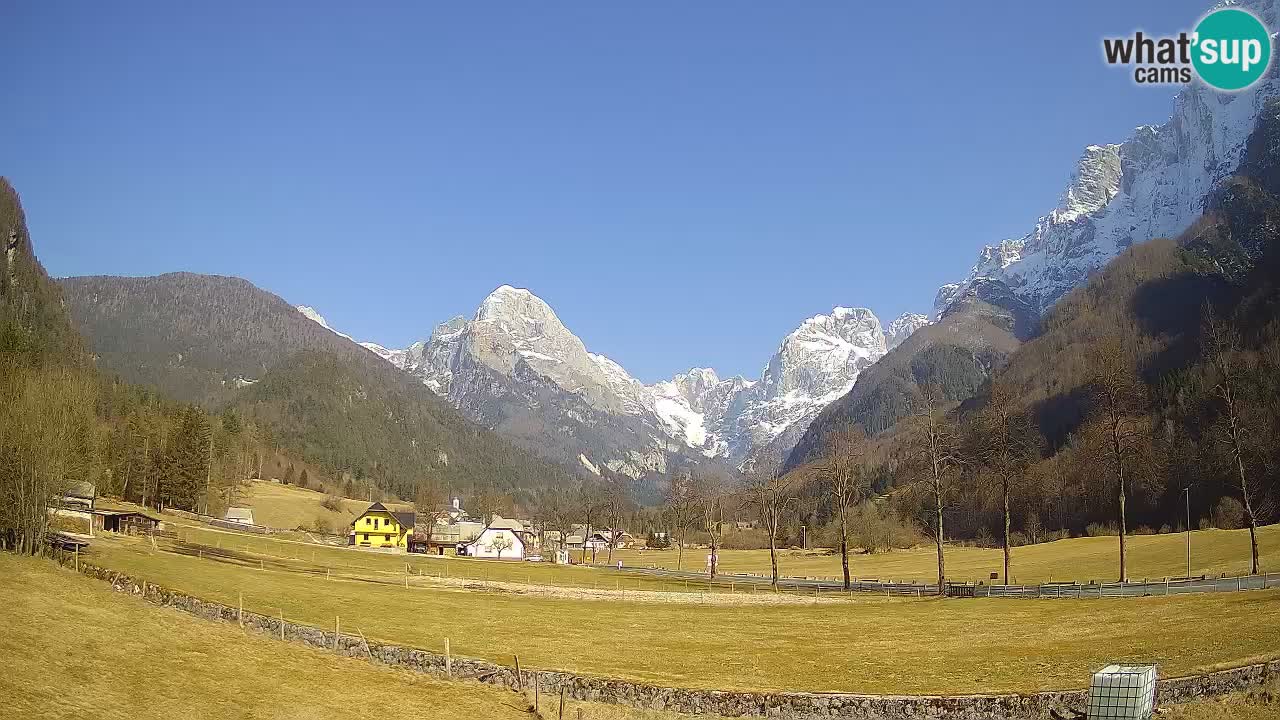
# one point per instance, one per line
(866, 644)
(1086, 558)
(1151, 556)
(288, 507)
(88, 652)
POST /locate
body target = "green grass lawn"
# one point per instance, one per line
(868, 645)
(1090, 558)
(76, 649)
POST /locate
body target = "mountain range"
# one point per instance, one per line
(1155, 184)
(514, 367)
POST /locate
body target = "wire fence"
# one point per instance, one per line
(636, 579)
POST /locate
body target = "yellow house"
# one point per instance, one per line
(382, 528)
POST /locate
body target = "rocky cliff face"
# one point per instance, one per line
(1153, 184)
(751, 421)
(515, 367)
(902, 327)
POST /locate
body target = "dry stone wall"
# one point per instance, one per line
(1034, 706)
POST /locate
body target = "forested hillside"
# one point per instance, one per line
(956, 355)
(224, 343)
(1157, 380)
(379, 424)
(34, 324)
(63, 423)
(196, 338)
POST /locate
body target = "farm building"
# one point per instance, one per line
(239, 515)
(501, 539)
(445, 534)
(80, 511)
(379, 527)
(73, 511)
(121, 519)
(599, 539)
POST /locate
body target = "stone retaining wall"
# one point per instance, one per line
(1034, 706)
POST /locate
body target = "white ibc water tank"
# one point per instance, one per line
(1123, 692)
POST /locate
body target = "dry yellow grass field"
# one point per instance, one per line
(1153, 556)
(289, 506)
(863, 645)
(1262, 704)
(83, 650)
(1088, 558)
(76, 649)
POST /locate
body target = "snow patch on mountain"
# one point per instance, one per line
(314, 315)
(395, 357)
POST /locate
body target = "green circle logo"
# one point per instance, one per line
(1232, 49)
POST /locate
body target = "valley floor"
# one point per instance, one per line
(870, 645)
(1083, 559)
(76, 649)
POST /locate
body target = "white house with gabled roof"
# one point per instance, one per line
(501, 539)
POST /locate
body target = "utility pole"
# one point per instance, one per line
(1187, 491)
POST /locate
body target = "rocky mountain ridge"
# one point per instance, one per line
(1154, 184)
(515, 366)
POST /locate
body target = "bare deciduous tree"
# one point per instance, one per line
(1007, 444)
(500, 544)
(1222, 350)
(772, 494)
(681, 505)
(46, 445)
(592, 502)
(429, 500)
(556, 509)
(617, 500)
(846, 479)
(938, 454)
(710, 490)
(1119, 429)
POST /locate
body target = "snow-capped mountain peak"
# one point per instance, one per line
(314, 315)
(501, 364)
(1151, 185)
(902, 327)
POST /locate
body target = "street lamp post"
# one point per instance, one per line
(1187, 491)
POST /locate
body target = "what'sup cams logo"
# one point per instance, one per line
(1230, 50)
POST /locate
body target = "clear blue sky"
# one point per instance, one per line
(683, 182)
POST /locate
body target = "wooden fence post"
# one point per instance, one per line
(337, 630)
(563, 687)
(448, 661)
(519, 676)
(240, 611)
